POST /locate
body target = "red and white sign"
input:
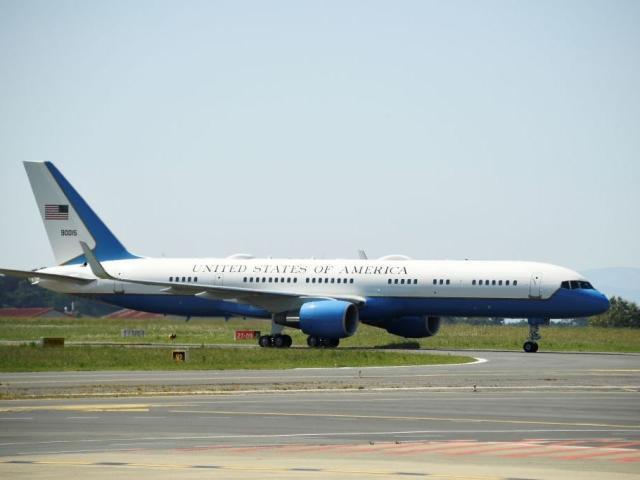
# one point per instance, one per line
(247, 334)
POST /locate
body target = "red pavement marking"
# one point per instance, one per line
(493, 447)
(633, 458)
(548, 449)
(605, 451)
(435, 447)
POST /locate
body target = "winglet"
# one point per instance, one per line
(96, 267)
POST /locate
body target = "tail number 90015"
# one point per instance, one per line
(69, 233)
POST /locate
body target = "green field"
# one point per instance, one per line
(34, 358)
(217, 331)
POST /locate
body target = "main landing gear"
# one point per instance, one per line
(531, 345)
(276, 341)
(322, 342)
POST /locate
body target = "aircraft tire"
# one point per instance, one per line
(313, 341)
(265, 341)
(282, 341)
(331, 342)
(530, 347)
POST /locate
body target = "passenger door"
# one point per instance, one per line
(535, 285)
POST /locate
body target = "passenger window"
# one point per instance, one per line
(333, 280)
(326, 280)
(244, 279)
(473, 282)
(183, 279)
(515, 282)
(295, 280)
(289, 280)
(479, 282)
(389, 281)
(441, 281)
(195, 279)
(395, 281)
(307, 280)
(402, 281)
(500, 282)
(275, 279)
(171, 279)
(189, 279)
(313, 280)
(448, 281)
(506, 283)
(270, 279)
(339, 280)
(415, 281)
(493, 282)
(351, 281)
(435, 281)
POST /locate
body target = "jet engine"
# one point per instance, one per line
(413, 327)
(329, 318)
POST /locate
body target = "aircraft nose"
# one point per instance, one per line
(597, 302)
(603, 302)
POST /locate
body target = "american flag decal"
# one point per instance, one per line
(56, 212)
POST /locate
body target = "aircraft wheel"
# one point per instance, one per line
(313, 342)
(265, 341)
(288, 341)
(331, 342)
(279, 341)
(530, 347)
(535, 347)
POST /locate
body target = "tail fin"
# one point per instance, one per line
(68, 219)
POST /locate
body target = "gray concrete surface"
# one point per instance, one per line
(531, 416)
(501, 370)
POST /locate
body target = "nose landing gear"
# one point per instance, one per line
(531, 345)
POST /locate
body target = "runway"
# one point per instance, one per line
(558, 416)
(495, 370)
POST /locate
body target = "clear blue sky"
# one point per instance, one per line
(450, 129)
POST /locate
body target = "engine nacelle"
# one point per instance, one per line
(413, 327)
(329, 318)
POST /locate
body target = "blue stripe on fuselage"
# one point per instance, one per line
(562, 304)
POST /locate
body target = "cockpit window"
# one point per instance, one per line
(576, 284)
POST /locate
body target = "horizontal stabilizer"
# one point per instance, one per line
(45, 276)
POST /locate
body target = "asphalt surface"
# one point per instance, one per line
(494, 370)
(529, 416)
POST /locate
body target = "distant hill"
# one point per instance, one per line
(620, 282)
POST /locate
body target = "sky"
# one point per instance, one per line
(435, 129)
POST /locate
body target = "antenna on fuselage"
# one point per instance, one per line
(362, 255)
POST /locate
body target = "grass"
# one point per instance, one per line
(216, 331)
(35, 358)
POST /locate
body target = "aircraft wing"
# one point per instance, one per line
(272, 300)
(45, 276)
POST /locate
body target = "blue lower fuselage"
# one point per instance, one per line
(562, 304)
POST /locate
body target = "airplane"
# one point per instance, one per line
(326, 299)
